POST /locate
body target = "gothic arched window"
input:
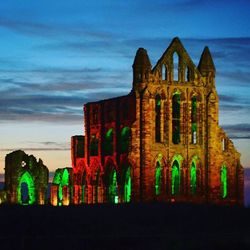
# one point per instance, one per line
(158, 178)
(108, 142)
(176, 118)
(176, 66)
(175, 178)
(158, 118)
(193, 178)
(127, 186)
(194, 120)
(164, 72)
(223, 178)
(187, 74)
(125, 139)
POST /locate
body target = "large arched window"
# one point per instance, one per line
(94, 145)
(127, 186)
(194, 119)
(26, 189)
(125, 139)
(158, 118)
(176, 66)
(164, 72)
(193, 178)
(187, 74)
(108, 142)
(113, 187)
(158, 178)
(176, 114)
(223, 178)
(62, 179)
(175, 178)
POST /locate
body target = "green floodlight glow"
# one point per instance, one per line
(127, 186)
(175, 178)
(113, 188)
(108, 145)
(26, 179)
(125, 138)
(193, 178)
(61, 178)
(224, 182)
(158, 179)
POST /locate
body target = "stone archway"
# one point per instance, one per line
(26, 189)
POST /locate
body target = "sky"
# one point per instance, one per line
(57, 55)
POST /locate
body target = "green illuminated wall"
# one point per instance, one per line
(61, 178)
(175, 178)
(193, 178)
(158, 178)
(113, 187)
(224, 182)
(127, 186)
(26, 178)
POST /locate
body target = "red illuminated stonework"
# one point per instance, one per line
(161, 142)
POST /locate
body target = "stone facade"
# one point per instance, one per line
(61, 187)
(161, 142)
(26, 179)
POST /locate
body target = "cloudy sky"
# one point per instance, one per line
(57, 55)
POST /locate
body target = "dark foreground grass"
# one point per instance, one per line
(131, 226)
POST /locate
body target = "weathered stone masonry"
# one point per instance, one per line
(160, 142)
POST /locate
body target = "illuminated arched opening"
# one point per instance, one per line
(127, 186)
(194, 120)
(125, 139)
(193, 178)
(158, 118)
(176, 115)
(176, 66)
(158, 178)
(26, 190)
(108, 143)
(61, 178)
(113, 187)
(224, 182)
(175, 178)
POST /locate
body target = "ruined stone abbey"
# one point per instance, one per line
(161, 142)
